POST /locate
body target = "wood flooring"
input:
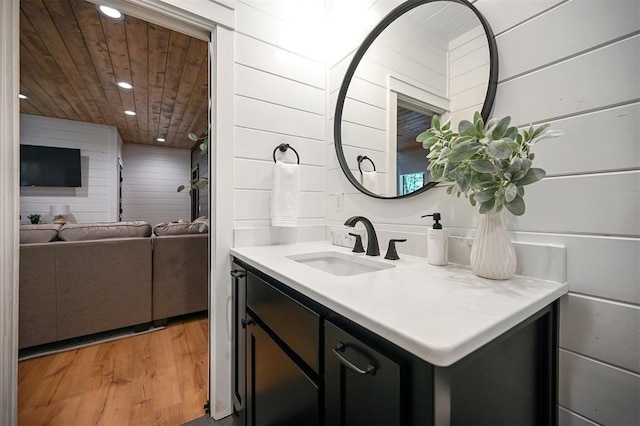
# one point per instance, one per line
(157, 378)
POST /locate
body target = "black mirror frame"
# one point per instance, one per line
(342, 95)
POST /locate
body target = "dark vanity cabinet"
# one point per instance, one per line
(238, 360)
(307, 365)
(279, 391)
(362, 386)
(283, 358)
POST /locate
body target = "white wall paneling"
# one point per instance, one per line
(600, 266)
(251, 174)
(591, 195)
(597, 391)
(574, 86)
(279, 97)
(580, 24)
(259, 145)
(150, 177)
(600, 132)
(269, 58)
(261, 115)
(96, 200)
(252, 83)
(603, 330)
(568, 418)
(505, 15)
(292, 26)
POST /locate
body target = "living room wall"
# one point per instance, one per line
(96, 200)
(150, 177)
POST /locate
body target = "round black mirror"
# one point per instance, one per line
(425, 58)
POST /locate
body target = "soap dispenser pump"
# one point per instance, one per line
(437, 242)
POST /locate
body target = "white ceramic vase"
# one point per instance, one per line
(492, 254)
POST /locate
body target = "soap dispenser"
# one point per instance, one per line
(437, 242)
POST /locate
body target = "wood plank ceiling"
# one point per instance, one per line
(72, 56)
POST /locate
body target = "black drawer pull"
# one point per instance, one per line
(370, 371)
(245, 322)
(237, 273)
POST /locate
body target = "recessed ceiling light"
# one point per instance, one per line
(130, 112)
(161, 139)
(110, 12)
(125, 85)
(21, 96)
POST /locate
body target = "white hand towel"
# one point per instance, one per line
(285, 194)
(371, 182)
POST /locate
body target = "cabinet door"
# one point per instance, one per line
(238, 364)
(278, 391)
(362, 386)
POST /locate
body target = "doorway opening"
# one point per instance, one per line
(65, 87)
(413, 118)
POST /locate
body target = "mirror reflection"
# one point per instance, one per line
(433, 59)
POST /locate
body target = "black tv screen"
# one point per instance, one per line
(49, 166)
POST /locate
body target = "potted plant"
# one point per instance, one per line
(490, 164)
(34, 218)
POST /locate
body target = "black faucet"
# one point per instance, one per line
(372, 238)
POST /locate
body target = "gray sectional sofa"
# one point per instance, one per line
(81, 279)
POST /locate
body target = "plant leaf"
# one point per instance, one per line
(429, 142)
(424, 136)
(533, 175)
(487, 206)
(483, 166)
(466, 128)
(462, 180)
(499, 149)
(511, 133)
(510, 192)
(540, 130)
(476, 117)
(193, 137)
(501, 128)
(181, 188)
(436, 172)
(486, 195)
(460, 154)
(516, 206)
(435, 122)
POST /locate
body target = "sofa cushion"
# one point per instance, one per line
(99, 231)
(180, 228)
(41, 233)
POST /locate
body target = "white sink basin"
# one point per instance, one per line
(340, 264)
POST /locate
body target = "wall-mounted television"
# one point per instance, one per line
(50, 166)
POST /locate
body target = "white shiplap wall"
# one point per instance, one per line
(150, 177)
(575, 64)
(96, 200)
(279, 97)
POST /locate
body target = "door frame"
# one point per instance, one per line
(215, 17)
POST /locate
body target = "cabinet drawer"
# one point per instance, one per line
(295, 324)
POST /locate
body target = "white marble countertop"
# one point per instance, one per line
(438, 313)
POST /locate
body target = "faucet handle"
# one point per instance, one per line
(392, 254)
(357, 248)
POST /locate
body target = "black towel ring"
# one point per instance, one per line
(283, 147)
(361, 158)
